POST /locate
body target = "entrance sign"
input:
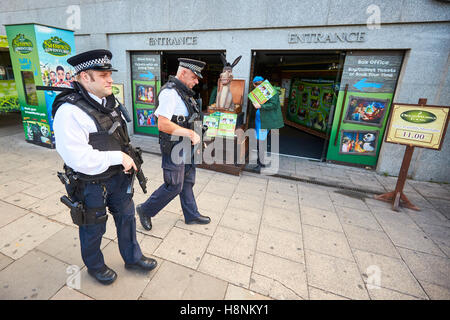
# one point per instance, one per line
(418, 125)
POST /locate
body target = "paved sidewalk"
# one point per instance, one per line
(270, 238)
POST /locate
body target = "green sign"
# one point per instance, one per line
(56, 46)
(418, 116)
(361, 111)
(21, 44)
(39, 57)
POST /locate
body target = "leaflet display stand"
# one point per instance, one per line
(222, 147)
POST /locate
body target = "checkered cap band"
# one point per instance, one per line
(191, 66)
(99, 62)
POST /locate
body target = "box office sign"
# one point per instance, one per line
(418, 125)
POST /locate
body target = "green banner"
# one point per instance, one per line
(39, 57)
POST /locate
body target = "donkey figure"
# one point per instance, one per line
(224, 98)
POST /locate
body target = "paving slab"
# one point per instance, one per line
(9, 213)
(175, 282)
(290, 274)
(129, 284)
(341, 198)
(282, 200)
(242, 220)
(427, 217)
(358, 218)
(389, 273)
(65, 246)
(247, 201)
(25, 233)
(387, 294)
(413, 239)
(11, 187)
(320, 218)
(335, 275)
(183, 247)
(19, 281)
(21, 200)
(427, 267)
(440, 236)
(210, 202)
(226, 270)
(223, 189)
(233, 245)
(331, 242)
(281, 243)
(67, 293)
(316, 199)
(435, 292)
(288, 220)
(282, 186)
(271, 288)
(5, 261)
(50, 205)
(238, 293)
(318, 294)
(149, 244)
(442, 205)
(388, 218)
(370, 240)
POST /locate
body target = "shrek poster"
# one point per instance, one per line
(39, 57)
(310, 102)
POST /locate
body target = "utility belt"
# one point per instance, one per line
(75, 183)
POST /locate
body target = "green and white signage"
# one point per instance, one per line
(39, 57)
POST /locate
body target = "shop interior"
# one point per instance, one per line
(310, 81)
(211, 72)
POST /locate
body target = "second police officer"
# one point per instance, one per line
(177, 111)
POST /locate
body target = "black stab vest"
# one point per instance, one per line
(100, 140)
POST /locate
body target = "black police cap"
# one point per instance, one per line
(195, 66)
(99, 59)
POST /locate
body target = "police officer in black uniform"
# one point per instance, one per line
(92, 139)
(177, 113)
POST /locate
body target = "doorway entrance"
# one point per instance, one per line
(308, 83)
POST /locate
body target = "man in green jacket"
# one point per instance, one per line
(268, 116)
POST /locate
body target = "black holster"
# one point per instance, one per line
(75, 200)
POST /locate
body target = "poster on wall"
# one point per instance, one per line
(146, 84)
(367, 111)
(145, 94)
(117, 90)
(359, 142)
(146, 117)
(310, 102)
